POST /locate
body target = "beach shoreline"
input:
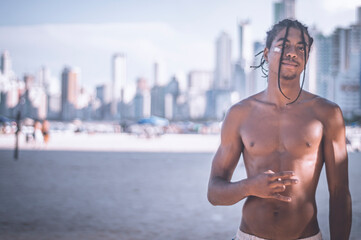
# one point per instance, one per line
(118, 142)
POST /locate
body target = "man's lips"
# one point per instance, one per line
(290, 63)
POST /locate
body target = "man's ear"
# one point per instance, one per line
(265, 54)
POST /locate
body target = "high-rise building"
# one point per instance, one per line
(172, 94)
(259, 81)
(159, 71)
(199, 82)
(319, 79)
(5, 64)
(284, 9)
(159, 91)
(103, 93)
(29, 82)
(69, 93)
(245, 45)
(243, 82)
(223, 69)
(103, 96)
(119, 70)
(158, 101)
(44, 78)
(54, 106)
(141, 100)
(346, 67)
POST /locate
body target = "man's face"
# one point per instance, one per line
(293, 57)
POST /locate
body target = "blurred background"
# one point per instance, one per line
(110, 64)
(115, 109)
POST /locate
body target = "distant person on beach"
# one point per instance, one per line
(38, 134)
(286, 135)
(45, 130)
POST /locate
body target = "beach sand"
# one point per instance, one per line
(125, 188)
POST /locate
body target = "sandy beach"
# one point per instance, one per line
(123, 187)
(118, 142)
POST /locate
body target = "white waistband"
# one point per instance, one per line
(245, 236)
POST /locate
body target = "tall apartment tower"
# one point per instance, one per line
(318, 75)
(284, 9)
(199, 82)
(346, 67)
(69, 93)
(223, 70)
(157, 74)
(5, 63)
(159, 71)
(119, 70)
(245, 45)
(243, 79)
(142, 106)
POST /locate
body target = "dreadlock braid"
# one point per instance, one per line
(281, 59)
(304, 67)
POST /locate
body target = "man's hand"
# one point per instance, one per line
(270, 184)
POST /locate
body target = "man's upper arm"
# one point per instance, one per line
(334, 149)
(229, 151)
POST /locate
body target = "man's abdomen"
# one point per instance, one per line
(273, 219)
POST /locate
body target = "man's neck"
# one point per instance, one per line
(290, 90)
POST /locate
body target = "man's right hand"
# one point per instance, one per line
(270, 184)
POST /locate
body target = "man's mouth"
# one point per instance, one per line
(290, 63)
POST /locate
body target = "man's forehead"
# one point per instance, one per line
(292, 32)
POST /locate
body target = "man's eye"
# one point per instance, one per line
(301, 48)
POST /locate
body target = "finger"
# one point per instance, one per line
(281, 188)
(284, 174)
(279, 182)
(281, 198)
(291, 181)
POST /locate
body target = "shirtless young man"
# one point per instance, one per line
(285, 135)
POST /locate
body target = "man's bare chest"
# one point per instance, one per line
(268, 132)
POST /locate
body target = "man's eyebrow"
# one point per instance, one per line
(286, 40)
(283, 39)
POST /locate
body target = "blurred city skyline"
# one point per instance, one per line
(180, 36)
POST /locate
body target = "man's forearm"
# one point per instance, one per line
(222, 192)
(340, 215)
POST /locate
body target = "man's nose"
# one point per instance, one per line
(291, 52)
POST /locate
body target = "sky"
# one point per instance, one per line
(180, 35)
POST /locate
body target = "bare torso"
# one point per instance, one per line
(282, 139)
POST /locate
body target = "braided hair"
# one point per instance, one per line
(271, 34)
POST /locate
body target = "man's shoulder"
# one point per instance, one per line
(239, 111)
(324, 105)
(249, 101)
(324, 108)
(244, 105)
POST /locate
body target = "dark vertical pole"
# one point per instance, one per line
(18, 129)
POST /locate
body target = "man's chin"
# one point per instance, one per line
(289, 77)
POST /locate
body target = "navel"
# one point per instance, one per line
(308, 144)
(251, 144)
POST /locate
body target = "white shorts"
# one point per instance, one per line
(245, 236)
